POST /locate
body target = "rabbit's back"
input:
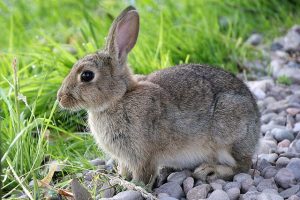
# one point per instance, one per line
(206, 100)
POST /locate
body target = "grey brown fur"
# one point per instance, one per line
(187, 116)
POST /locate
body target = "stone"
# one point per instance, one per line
(293, 111)
(297, 118)
(107, 190)
(161, 195)
(269, 196)
(128, 195)
(292, 39)
(285, 178)
(79, 191)
(289, 72)
(284, 143)
(198, 192)
(241, 177)
(296, 127)
(162, 176)
(97, 162)
(251, 195)
(267, 146)
(167, 198)
(188, 184)
(233, 193)
(269, 172)
(290, 191)
(255, 39)
(295, 146)
(277, 106)
(259, 93)
(229, 185)
(275, 46)
(290, 121)
(280, 120)
(294, 197)
(282, 162)
(266, 118)
(266, 184)
(246, 184)
(271, 125)
(262, 164)
(281, 134)
(271, 158)
(178, 177)
(171, 188)
(294, 167)
(218, 195)
(216, 186)
(257, 180)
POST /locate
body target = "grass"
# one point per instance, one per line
(40, 41)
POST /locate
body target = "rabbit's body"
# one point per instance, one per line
(181, 121)
(185, 116)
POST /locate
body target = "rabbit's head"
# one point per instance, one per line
(99, 79)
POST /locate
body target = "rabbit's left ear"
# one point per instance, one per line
(123, 34)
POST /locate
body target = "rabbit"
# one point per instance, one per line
(189, 116)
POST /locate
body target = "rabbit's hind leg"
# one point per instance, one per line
(210, 172)
(223, 168)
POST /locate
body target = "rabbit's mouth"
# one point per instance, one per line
(69, 102)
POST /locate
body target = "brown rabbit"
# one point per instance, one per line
(187, 116)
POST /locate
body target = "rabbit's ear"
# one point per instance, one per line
(123, 34)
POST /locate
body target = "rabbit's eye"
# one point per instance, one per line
(87, 76)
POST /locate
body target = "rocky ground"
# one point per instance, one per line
(275, 171)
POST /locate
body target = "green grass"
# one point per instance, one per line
(47, 37)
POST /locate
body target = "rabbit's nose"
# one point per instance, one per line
(59, 96)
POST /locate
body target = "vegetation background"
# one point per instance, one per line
(41, 40)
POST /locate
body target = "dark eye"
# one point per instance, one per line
(87, 76)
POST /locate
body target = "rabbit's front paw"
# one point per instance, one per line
(124, 171)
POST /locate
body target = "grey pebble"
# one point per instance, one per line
(218, 195)
(290, 191)
(294, 197)
(294, 167)
(267, 145)
(285, 178)
(262, 164)
(266, 118)
(230, 185)
(254, 39)
(178, 177)
(295, 146)
(198, 192)
(281, 134)
(269, 196)
(188, 184)
(171, 188)
(216, 186)
(97, 162)
(267, 184)
(246, 184)
(241, 177)
(269, 172)
(233, 193)
(271, 158)
(251, 195)
(282, 162)
(128, 195)
(167, 198)
(108, 191)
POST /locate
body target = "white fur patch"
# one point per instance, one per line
(225, 158)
